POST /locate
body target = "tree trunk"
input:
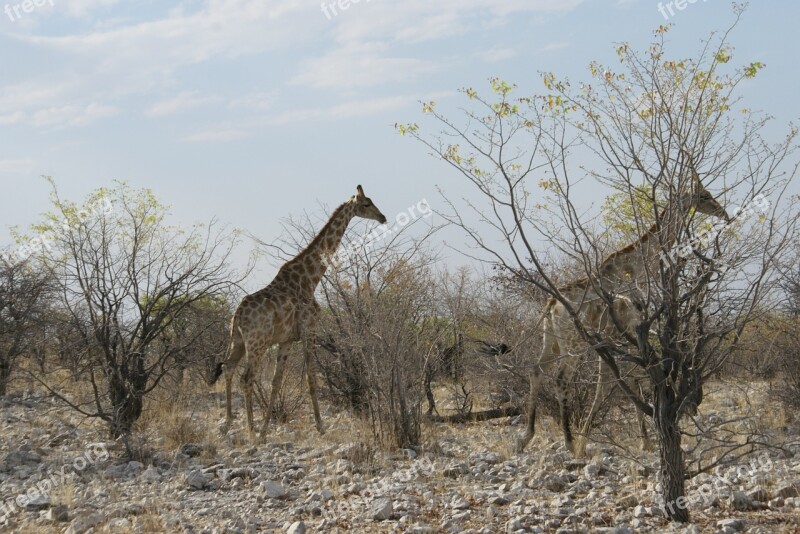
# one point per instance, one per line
(675, 505)
(5, 374)
(127, 395)
(126, 408)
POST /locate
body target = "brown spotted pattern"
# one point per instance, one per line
(286, 312)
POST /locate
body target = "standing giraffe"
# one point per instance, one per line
(618, 273)
(286, 311)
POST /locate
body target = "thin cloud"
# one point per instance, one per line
(551, 47)
(363, 66)
(82, 8)
(256, 101)
(351, 109)
(182, 102)
(12, 118)
(16, 166)
(417, 21)
(496, 55)
(215, 136)
(143, 57)
(59, 117)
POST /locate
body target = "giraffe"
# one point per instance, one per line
(286, 312)
(617, 274)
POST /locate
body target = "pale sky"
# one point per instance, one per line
(250, 111)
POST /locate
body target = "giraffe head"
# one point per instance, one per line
(703, 201)
(365, 208)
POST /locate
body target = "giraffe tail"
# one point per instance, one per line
(220, 368)
(217, 374)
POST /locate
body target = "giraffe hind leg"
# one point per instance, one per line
(599, 394)
(310, 360)
(550, 353)
(247, 381)
(277, 380)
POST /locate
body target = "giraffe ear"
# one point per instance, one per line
(359, 192)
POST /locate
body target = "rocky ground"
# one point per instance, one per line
(57, 475)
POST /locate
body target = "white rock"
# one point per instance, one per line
(736, 525)
(409, 453)
(273, 490)
(116, 472)
(593, 470)
(151, 474)
(82, 523)
(135, 467)
(381, 509)
(196, 480)
(742, 502)
(120, 524)
(39, 501)
(514, 525)
(298, 527)
(460, 504)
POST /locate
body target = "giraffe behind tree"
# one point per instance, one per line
(620, 273)
(286, 311)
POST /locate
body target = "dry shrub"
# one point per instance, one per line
(173, 418)
(788, 364)
(376, 338)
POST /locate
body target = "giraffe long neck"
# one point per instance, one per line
(632, 262)
(316, 256)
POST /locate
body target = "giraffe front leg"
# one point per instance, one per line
(530, 426)
(236, 352)
(310, 360)
(563, 401)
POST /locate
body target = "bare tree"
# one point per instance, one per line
(24, 294)
(130, 285)
(658, 128)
